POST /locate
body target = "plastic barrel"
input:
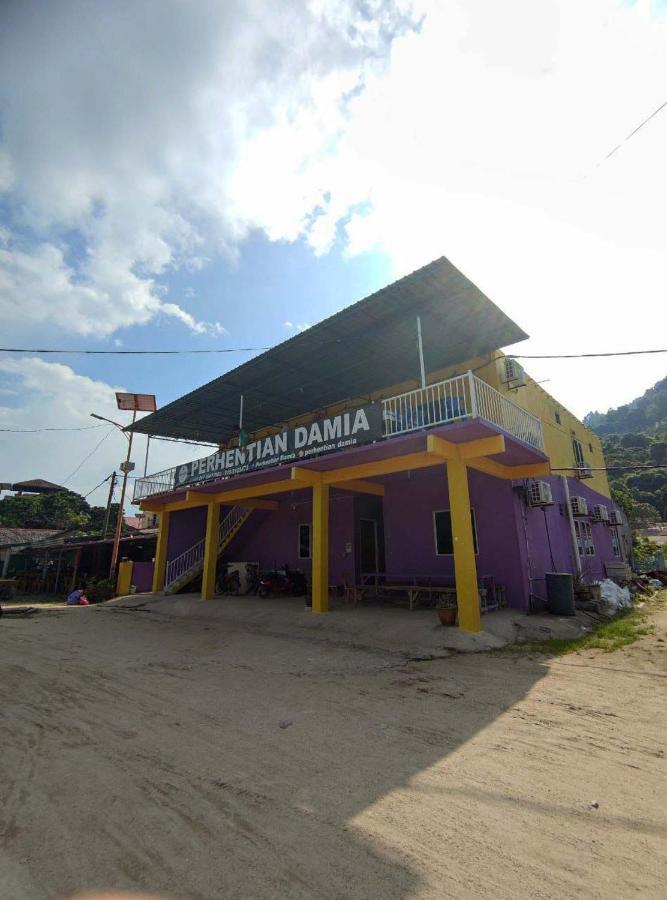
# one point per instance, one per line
(560, 593)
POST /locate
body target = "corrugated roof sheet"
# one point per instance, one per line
(362, 349)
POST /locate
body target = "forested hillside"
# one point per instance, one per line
(636, 435)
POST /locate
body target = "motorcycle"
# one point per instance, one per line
(282, 581)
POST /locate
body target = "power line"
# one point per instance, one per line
(135, 352)
(581, 355)
(634, 132)
(609, 468)
(104, 480)
(86, 458)
(262, 349)
(33, 430)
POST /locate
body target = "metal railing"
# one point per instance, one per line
(436, 404)
(461, 397)
(195, 554)
(455, 399)
(495, 407)
(158, 483)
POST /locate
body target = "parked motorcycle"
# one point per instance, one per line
(282, 581)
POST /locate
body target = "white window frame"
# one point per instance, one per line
(309, 526)
(584, 534)
(475, 533)
(615, 544)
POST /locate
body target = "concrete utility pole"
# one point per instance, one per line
(112, 487)
(125, 467)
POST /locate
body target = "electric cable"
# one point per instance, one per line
(86, 458)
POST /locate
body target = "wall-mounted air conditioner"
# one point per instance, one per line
(510, 372)
(584, 470)
(539, 494)
(579, 506)
(615, 517)
(600, 513)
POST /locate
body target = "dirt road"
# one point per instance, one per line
(227, 761)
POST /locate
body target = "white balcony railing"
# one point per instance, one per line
(453, 400)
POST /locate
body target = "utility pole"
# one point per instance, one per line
(112, 487)
(125, 467)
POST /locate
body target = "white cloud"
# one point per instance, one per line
(481, 143)
(52, 395)
(297, 326)
(141, 137)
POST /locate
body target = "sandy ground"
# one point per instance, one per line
(230, 758)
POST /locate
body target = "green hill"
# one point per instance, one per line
(636, 435)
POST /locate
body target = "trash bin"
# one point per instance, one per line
(560, 593)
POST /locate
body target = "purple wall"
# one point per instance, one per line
(142, 576)
(409, 503)
(271, 537)
(538, 527)
(517, 545)
(186, 527)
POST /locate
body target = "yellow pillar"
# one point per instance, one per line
(320, 584)
(465, 566)
(124, 580)
(211, 544)
(161, 552)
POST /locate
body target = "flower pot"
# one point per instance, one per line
(447, 616)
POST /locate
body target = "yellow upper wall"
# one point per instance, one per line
(558, 436)
(532, 397)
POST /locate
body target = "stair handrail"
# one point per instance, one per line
(194, 555)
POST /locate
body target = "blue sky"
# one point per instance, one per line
(197, 176)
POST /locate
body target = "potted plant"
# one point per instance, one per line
(447, 609)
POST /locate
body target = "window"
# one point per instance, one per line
(557, 416)
(584, 538)
(304, 541)
(578, 453)
(590, 446)
(615, 544)
(442, 528)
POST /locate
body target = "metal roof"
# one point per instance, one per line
(361, 349)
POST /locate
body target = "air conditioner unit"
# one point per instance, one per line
(584, 470)
(615, 517)
(510, 372)
(600, 513)
(579, 506)
(539, 494)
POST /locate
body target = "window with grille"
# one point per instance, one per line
(584, 538)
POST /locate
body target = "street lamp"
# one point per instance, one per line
(137, 403)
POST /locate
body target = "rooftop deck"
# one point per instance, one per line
(464, 399)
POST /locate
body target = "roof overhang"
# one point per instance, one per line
(361, 349)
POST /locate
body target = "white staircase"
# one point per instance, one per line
(188, 565)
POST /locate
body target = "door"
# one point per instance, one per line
(368, 545)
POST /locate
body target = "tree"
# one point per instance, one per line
(63, 511)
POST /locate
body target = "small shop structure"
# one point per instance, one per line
(54, 563)
(393, 446)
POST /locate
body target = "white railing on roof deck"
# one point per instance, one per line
(436, 404)
(158, 483)
(453, 400)
(182, 563)
(500, 410)
(462, 397)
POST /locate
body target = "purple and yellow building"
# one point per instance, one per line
(394, 441)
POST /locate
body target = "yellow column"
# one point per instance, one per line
(465, 566)
(161, 552)
(211, 544)
(124, 577)
(320, 584)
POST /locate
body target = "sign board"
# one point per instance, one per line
(136, 402)
(294, 445)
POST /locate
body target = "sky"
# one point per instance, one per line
(220, 175)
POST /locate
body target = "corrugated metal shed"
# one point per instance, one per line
(361, 349)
